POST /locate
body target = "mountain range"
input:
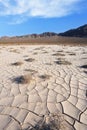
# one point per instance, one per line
(77, 32)
(78, 35)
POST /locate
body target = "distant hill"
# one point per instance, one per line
(78, 32)
(45, 34)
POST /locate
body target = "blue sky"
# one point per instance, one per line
(21, 17)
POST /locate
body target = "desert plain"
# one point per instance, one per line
(43, 87)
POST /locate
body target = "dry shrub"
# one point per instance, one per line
(48, 63)
(44, 51)
(17, 63)
(58, 54)
(83, 66)
(86, 93)
(85, 72)
(44, 77)
(14, 50)
(39, 48)
(62, 62)
(53, 122)
(35, 53)
(72, 54)
(23, 79)
(29, 59)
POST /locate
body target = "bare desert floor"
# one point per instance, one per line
(43, 87)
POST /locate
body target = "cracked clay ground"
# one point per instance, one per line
(38, 83)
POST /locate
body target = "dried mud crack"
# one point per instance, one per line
(45, 91)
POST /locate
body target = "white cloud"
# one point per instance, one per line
(18, 20)
(38, 8)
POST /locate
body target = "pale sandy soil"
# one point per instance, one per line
(43, 83)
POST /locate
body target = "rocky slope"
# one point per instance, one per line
(78, 32)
